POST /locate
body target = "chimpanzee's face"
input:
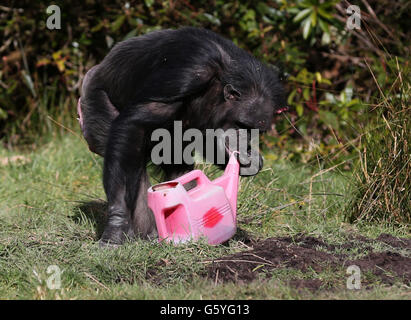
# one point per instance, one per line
(254, 109)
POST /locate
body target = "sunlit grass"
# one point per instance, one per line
(44, 221)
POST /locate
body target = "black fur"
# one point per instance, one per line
(144, 83)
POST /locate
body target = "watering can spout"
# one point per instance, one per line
(229, 182)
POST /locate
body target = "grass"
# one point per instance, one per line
(383, 179)
(50, 214)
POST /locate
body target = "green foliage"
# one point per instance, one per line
(304, 93)
(329, 87)
(315, 16)
(343, 109)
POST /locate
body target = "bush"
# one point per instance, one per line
(329, 85)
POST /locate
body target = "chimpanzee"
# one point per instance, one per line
(147, 82)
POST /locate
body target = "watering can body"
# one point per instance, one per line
(208, 210)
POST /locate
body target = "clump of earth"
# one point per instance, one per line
(390, 263)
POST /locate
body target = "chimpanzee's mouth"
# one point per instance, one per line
(230, 150)
(242, 125)
(249, 156)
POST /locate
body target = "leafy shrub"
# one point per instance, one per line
(329, 85)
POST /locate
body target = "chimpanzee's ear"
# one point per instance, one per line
(230, 93)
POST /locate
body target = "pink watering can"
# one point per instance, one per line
(208, 210)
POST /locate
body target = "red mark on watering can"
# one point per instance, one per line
(211, 218)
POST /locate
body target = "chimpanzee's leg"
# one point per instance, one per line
(95, 112)
(124, 171)
(143, 218)
(125, 178)
(172, 172)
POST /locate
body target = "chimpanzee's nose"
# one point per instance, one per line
(263, 124)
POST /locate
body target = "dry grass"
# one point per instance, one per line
(383, 178)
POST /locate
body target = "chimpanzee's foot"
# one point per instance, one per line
(115, 234)
(114, 237)
(153, 235)
(107, 245)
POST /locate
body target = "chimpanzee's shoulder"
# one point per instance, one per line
(201, 34)
(197, 32)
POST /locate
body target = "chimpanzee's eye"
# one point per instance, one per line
(230, 93)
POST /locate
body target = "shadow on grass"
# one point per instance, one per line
(243, 236)
(95, 211)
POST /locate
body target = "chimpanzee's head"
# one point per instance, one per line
(252, 95)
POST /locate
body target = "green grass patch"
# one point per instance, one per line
(45, 219)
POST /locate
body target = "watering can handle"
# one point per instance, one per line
(193, 175)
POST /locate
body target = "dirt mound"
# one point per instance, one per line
(389, 266)
(306, 253)
(394, 242)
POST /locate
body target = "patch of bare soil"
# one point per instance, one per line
(308, 254)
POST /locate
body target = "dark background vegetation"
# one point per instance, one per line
(348, 89)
